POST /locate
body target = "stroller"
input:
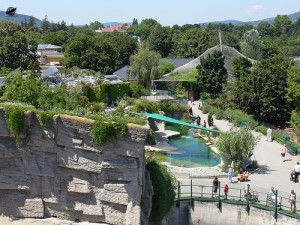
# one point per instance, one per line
(292, 177)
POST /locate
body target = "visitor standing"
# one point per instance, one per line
(283, 152)
(215, 186)
(198, 120)
(204, 123)
(226, 189)
(292, 200)
(230, 174)
(269, 134)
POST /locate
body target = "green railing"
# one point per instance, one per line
(203, 193)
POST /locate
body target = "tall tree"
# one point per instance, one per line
(263, 92)
(241, 67)
(212, 74)
(252, 45)
(45, 25)
(281, 25)
(144, 66)
(96, 25)
(160, 40)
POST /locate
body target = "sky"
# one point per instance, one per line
(166, 12)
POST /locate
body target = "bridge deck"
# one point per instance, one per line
(179, 122)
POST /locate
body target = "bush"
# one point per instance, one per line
(219, 114)
(151, 138)
(107, 128)
(146, 106)
(261, 129)
(45, 116)
(205, 108)
(163, 187)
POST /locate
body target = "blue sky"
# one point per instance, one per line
(166, 12)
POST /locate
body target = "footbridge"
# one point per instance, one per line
(179, 122)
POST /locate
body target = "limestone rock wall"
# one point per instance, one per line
(56, 171)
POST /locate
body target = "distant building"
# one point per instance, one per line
(114, 79)
(116, 28)
(50, 55)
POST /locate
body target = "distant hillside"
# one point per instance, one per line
(18, 18)
(293, 17)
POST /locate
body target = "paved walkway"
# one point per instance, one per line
(272, 170)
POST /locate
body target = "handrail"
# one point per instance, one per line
(195, 192)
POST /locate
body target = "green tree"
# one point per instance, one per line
(281, 25)
(212, 74)
(160, 40)
(144, 29)
(264, 29)
(252, 45)
(144, 66)
(21, 89)
(90, 52)
(45, 25)
(241, 67)
(96, 25)
(293, 95)
(263, 92)
(190, 43)
(165, 67)
(236, 145)
(16, 50)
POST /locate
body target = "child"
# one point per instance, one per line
(226, 188)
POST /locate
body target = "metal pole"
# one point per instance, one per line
(219, 200)
(276, 212)
(247, 204)
(191, 196)
(178, 194)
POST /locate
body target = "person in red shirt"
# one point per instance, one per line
(226, 188)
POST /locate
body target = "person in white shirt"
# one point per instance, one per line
(269, 134)
(297, 171)
(272, 195)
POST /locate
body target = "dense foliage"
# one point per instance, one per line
(212, 74)
(163, 184)
(236, 145)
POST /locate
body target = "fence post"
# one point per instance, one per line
(191, 196)
(276, 212)
(219, 200)
(178, 194)
(201, 191)
(248, 204)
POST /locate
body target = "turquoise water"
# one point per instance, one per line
(191, 153)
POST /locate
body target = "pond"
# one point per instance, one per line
(191, 153)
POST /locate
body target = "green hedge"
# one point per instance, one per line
(163, 187)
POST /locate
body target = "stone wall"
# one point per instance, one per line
(56, 171)
(205, 213)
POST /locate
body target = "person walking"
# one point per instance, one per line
(204, 123)
(226, 189)
(269, 134)
(283, 152)
(230, 174)
(215, 186)
(198, 120)
(292, 200)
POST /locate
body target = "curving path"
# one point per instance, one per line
(272, 170)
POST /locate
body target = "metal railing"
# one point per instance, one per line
(280, 204)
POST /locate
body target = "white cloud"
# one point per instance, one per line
(255, 9)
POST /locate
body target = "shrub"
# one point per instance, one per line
(98, 107)
(236, 145)
(219, 114)
(146, 106)
(205, 108)
(151, 138)
(107, 128)
(45, 116)
(261, 129)
(163, 187)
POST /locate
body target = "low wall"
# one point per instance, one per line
(56, 171)
(208, 214)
